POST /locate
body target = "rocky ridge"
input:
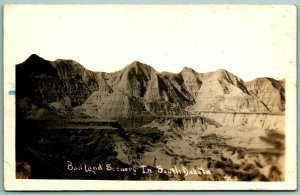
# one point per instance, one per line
(139, 91)
(270, 91)
(213, 120)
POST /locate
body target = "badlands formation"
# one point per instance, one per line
(137, 117)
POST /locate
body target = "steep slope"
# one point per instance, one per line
(186, 82)
(133, 81)
(191, 80)
(269, 91)
(140, 80)
(136, 90)
(58, 81)
(221, 91)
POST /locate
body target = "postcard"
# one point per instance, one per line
(149, 97)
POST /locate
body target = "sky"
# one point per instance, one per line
(249, 41)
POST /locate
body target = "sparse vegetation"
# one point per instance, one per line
(108, 142)
(274, 138)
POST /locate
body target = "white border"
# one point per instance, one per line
(10, 183)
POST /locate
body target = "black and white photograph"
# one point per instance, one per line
(190, 97)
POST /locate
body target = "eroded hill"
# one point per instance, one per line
(137, 117)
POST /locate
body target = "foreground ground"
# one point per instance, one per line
(166, 149)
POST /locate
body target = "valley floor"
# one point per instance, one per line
(179, 148)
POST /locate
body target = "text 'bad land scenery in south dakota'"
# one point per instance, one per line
(97, 169)
(140, 124)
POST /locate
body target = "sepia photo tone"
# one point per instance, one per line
(139, 124)
(169, 107)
